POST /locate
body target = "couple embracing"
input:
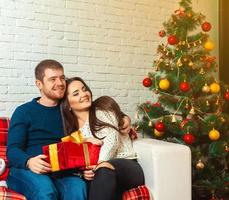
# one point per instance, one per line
(65, 106)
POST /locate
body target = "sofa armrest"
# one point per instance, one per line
(167, 168)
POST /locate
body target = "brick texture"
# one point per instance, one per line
(109, 43)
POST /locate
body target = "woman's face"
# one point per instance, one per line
(79, 97)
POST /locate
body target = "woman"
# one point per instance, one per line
(118, 169)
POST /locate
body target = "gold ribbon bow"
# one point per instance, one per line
(76, 137)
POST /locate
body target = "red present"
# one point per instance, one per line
(68, 155)
(4, 125)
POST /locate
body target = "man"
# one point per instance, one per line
(33, 125)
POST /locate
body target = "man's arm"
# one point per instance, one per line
(16, 144)
(17, 140)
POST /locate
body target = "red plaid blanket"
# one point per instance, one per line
(3, 153)
(7, 194)
(139, 193)
(4, 125)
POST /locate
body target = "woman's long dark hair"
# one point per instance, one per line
(105, 103)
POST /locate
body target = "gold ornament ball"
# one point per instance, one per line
(161, 60)
(190, 64)
(185, 59)
(215, 88)
(205, 88)
(209, 45)
(214, 134)
(158, 133)
(164, 84)
(222, 119)
(200, 165)
(189, 14)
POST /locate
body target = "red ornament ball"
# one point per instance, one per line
(189, 138)
(159, 126)
(147, 82)
(206, 26)
(172, 39)
(184, 86)
(226, 95)
(162, 33)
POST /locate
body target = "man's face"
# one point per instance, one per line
(53, 85)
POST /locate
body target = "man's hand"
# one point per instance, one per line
(89, 174)
(125, 129)
(38, 165)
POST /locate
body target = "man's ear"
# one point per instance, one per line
(39, 84)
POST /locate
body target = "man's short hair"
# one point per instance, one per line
(46, 64)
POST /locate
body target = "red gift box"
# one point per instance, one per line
(68, 155)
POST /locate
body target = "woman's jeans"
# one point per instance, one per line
(42, 187)
(109, 184)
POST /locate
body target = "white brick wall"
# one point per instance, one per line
(109, 43)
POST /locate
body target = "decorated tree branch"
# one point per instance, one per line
(192, 106)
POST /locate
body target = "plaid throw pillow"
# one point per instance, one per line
(7, 194)
(4, 125)
(139, 193)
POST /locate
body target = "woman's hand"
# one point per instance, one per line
(89, 174)
(38, 165)
(125, 129)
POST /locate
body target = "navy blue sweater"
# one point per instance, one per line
(32, 126)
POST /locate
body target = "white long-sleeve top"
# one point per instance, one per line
(115, 145)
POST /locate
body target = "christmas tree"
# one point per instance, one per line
(192, 106)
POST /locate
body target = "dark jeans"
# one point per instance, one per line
(43, 187)
(109, 184)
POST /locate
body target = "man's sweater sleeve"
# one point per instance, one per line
(17, 137)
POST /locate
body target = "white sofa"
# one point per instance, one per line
(167, 168)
